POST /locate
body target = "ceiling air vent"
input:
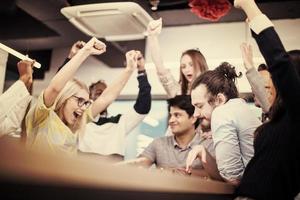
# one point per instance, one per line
(117, 21)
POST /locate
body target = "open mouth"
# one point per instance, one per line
(77, 115)
(189, 76)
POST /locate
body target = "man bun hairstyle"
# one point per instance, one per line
(220, 80)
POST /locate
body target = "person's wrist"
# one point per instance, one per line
(141, 73)
(129, 69)
(24, 78)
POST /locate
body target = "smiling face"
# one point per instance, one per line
(203, 107)
(189, 71)
(71, 112)
(180, 122)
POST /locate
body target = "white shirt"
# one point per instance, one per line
(109, 138)
(233, 125)
(13, 105)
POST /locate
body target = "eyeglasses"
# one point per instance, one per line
(81, 101)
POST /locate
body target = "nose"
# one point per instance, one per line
(171, 119)
(197, 113)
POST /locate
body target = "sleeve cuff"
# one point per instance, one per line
(260, 23)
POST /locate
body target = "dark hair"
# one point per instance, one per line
(184, 102)
(199, 61)
(277, 109)
(220, 80)
(92, 86)
(262, 67)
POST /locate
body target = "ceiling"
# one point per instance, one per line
(36, 25)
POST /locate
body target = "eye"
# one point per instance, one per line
(199, 106)
(81, 101)
(177, 115)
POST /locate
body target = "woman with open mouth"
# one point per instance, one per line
(192, 64)
(58, 118)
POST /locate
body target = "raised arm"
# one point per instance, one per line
(153, 30)
(284, 74)
(143, 102)
(93, 47)
(255, 80)
(171, 86)
(114, 89)
(73, 51)
(14, 101)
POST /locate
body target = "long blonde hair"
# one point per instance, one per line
(70, 89)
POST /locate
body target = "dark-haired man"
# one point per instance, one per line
(170, 152)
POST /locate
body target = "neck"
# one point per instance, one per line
(184, 139)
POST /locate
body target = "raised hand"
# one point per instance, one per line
(75, 48)
(140, 61)
(198, 151)
(94, 47)
(131, 60)
(154, 27)
(25, 71)
(247, 55)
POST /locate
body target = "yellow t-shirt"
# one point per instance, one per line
(45, 130)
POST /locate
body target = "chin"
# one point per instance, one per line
(205, 125)
(176, 133)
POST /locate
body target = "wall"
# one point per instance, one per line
(218, 42)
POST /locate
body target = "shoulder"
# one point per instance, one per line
(230, 108)
(163, 141)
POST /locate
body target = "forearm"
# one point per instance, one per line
(284, 74)
(111, 92)
(68, 71)
(65, 62)
(143, 101)
(171, 86)
(250, 8)
(63, 76)
(142, 161)
(258, 89)
(156, 54)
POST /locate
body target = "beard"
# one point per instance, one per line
(205, 126)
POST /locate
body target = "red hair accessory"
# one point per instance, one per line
(211, 10)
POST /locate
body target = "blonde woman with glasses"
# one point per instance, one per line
(58, 118)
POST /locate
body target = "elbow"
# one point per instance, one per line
(53, 90)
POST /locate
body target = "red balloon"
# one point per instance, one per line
(211, 10)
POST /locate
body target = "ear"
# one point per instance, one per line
(221, 99)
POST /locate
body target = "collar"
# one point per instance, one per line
(195, 141)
